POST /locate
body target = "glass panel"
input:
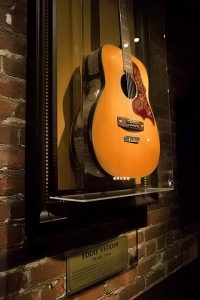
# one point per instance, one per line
(151, 49)
(113, 118)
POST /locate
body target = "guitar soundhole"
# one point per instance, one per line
(128, 86)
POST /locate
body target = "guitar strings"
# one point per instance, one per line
(130, 86)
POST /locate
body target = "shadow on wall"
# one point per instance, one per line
(188, 149)
(183, 46)
(182, 285)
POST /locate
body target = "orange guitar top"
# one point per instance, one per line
(124, 133)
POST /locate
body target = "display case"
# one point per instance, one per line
(100, 119)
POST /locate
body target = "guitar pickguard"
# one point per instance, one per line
(140, 104)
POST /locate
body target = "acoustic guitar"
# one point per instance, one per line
(120, 127)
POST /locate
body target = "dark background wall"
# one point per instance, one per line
(167, 242)
(183, 48)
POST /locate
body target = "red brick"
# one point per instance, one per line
(160, 242)
(145, 267)
(112, 297)
(10, 235)
(17, 209)
(172, 236)
(13, 255)
(113, 284)
(11, 88)
(20, 7)
(128, 276)
(3, 211)
(172, 251)
(140, 237)
(48, 270)
(153, 232)
(135, 238)
(18, 24)
(8, 135)
(141, 252)
(22, 136)
(131, 241)
(92, 293)
(6, 108)
(159, 216)
(6, 3)
(10, 185)
(119, 280)
(20, 111)
(174, 263)
(151, 248)
(12, 282)
(132, 289)
(53, 291)
(13, 67)
(13, 159)
(157, 275)
(190, 249)
(12, 43)
(29, 296)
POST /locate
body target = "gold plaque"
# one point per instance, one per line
(91, 265)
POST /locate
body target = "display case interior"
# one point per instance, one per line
(111, 89)
(98, 113)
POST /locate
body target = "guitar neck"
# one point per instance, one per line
(125, 37)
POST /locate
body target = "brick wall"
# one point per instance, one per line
(164, 245)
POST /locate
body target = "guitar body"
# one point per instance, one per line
(120, 152)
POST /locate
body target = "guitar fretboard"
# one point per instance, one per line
(125, 37)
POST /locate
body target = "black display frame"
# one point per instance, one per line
(41, 147)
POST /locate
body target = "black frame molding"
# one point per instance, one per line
(38, 114)
(41, 135)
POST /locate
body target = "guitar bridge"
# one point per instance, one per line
(131, 125)
(131, 139)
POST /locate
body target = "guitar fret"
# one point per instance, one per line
(125, 35)
(124, 28)
(124, 19)
(125, 38)
(126, 47)
(127, 56)
(128, 69)
(127, 63)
